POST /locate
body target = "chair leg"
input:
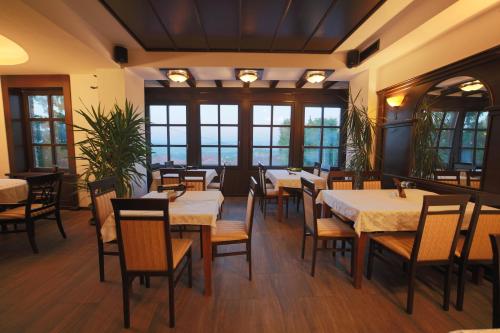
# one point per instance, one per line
(201, 244)
(126, 302)
(447, 282)
(371, 255)
(190, 268)
(353, 254)
(298, 203)
(249, 256)
(286, 207)
(315, 249)
(462, 269)
(303, 243)
(171, 301)
(59, 223)
(30, 229)
(265, 207)
(411, 288)
(100, 251)
(147, 281)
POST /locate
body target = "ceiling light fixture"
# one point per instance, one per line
(315, 76)
(178, 75)
(248, 75)
(471, 85)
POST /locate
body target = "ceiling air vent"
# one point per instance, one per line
(374, 47)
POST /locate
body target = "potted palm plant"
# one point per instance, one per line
(114, 145)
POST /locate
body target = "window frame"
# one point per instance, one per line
(440, 130)
(474, 148)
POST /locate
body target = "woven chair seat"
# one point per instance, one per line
(179, 249)
(227, 230)
(213, 186)
(18, 213)
(399, 243)
(332, 227)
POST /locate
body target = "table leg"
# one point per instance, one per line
(280, 203)
(359, 261)
(206, 234)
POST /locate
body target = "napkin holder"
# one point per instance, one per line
(401, 190)
(173, 191)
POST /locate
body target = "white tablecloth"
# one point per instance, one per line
(209, 176)
(284, 178)
(193, 208)
(382, 210)
(13, 190)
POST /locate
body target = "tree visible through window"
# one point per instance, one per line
(473, 138)
(445, 123)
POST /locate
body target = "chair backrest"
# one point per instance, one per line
(474, 179)
(340, 180)
(44, 190)
(309, 195)
(250, 206)
(371, 180)
(262, 179)
(144, 242)
(222, 177)
(101, 193)
(439, 226)
(316, 169)
(170, 176)
(447, 177)
(195, 180)
(495, 245)
(484, 222)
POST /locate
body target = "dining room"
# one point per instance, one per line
(271, 166)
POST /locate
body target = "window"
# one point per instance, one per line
(473, 138)
(47, 130)
(445, 123)
(219, 138)
(322, 135)
(271, 134)
(168, 133)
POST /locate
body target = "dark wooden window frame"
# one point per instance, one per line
(440, 129)
(474, 147)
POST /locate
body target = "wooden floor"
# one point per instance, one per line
(58, 290)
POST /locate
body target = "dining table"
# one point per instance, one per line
(283, 178)
(193, 208)
(372, 211)
(13, 190)
(210, 174)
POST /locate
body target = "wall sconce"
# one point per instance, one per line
(395, 102)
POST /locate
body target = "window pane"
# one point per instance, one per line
(209, 135)
(330, 157)
(158, 114)
(466, 156)
(331, 137)
(38, 106)
(446, 138)
(437, 118)
(261, 155)
(177, 114)
(42, 157)
(178, 155)
(208, 114)
(209, 156)
(229, 114)
(481, 139)
(281, 136)
(312, 116)
(434, 137)
(311, 155)
(332, 116)
(159, 135)
(482, 121)
(229, 135)
(280, 156)
(60, 132)
(62, 157)
(312, 136)
(58, 107)
(444, 156)
(261, 136)
(159, 154)
(262, 114)
(282, 114)
(40, 132)
(450, 119)
(229, 155)
(467, 138)
(470, 120)
(177, 135)
(479, 157)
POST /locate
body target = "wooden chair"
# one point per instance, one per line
(322, 228)
(434, 243)
(218, 186)
(474, 179)
(237, 232)
(42, 203)
(171, 176)
(269, 194)
(195, 180)
(147, 248)
(101, 193)
(447, 177)
(316, 169)
(474, 248)
(340, 180)
(495, 245)
(371, 181)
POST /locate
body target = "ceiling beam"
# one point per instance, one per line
(282, 18)
(218, 83)
(320, 22)
(164, 83)
(246, 84)
(274, 83)
(328, 84)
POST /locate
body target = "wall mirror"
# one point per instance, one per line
(450, 130)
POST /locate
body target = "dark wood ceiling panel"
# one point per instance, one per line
(220, 19)
(300, 22)
(259, 21)
(139, 18)
(342, 20)
(181, 20)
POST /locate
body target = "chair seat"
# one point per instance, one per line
(18, 213)
(213, 186)
(400, 243)
(179, 249)
(227, 230)
(332, 227)
(274, 193)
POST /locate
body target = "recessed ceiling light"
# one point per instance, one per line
(11, 53)
(471, 85)
(248, 75)
(177, 75)
(315, 76)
